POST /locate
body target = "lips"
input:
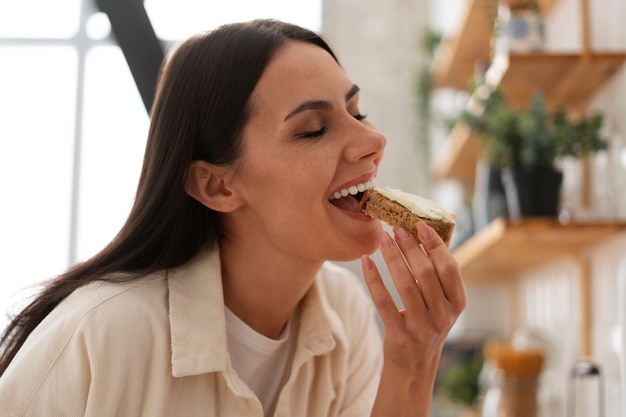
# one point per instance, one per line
(348, 198)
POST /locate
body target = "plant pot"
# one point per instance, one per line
(534, 192)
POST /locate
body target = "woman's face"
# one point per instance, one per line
(306, 140)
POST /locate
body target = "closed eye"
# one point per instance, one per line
(322, 131)
(313, 134)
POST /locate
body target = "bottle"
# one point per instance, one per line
(585, 390)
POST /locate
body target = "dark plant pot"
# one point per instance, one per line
(533, 192)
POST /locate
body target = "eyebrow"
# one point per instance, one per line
(320, 104)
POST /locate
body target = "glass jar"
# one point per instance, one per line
(511, 396)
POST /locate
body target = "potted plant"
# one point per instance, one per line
(526, 144)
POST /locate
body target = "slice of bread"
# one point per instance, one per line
(397, 207)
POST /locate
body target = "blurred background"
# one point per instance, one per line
(73, 125)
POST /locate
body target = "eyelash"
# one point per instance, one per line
(322, 131)
(314, 134)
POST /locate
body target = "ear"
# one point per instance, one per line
(208, 184)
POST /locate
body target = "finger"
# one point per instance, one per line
(421, 266)
(381, 297)
(445, 265)
(402, 277)
(450, 238)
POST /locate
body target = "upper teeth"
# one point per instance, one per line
(353, 190)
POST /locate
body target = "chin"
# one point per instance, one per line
(365, 246)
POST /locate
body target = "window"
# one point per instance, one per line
(73, 126)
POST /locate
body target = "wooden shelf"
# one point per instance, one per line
(456, 58)
(457, 158)
(506, 248)
(567, 80)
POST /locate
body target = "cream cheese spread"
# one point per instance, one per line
(418, 205)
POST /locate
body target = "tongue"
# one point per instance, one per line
(348, 203)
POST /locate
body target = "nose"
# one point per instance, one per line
(364, 142)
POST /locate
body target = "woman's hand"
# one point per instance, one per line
(428, 280)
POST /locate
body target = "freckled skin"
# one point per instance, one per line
(286, 180)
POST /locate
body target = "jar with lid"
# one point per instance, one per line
(511, 396)
(513, 386)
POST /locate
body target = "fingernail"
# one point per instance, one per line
(424, 232)
(386, 241)
(367, 263)
(401, 233)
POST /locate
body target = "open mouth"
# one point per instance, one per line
(349, 198)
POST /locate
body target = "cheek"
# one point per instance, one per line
(273, 187)
(296, 170)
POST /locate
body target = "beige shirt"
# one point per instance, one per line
(157, 347)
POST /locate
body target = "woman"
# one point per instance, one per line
(215, 298)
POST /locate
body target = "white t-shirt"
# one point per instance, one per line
(261, 362)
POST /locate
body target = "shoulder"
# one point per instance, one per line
(104, 308)
(103, 328)
(113, 295)
(103, 313)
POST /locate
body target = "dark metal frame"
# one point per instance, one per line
(136, 37)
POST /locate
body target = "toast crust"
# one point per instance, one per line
(376, 205)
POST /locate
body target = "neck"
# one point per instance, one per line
(264, 290)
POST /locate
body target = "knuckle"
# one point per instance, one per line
(406, 287)
(456, 307)
(391, 254)
(381, 302)
(449, 267)
(462, 303)
(442, 327)
(422, 269)
(434, 244)
(437, 248)
(443, 322)
(409, 244)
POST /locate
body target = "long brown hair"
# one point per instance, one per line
(200, 109)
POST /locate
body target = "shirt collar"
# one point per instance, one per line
(197, 318)
(198, 323)
(321, 329)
